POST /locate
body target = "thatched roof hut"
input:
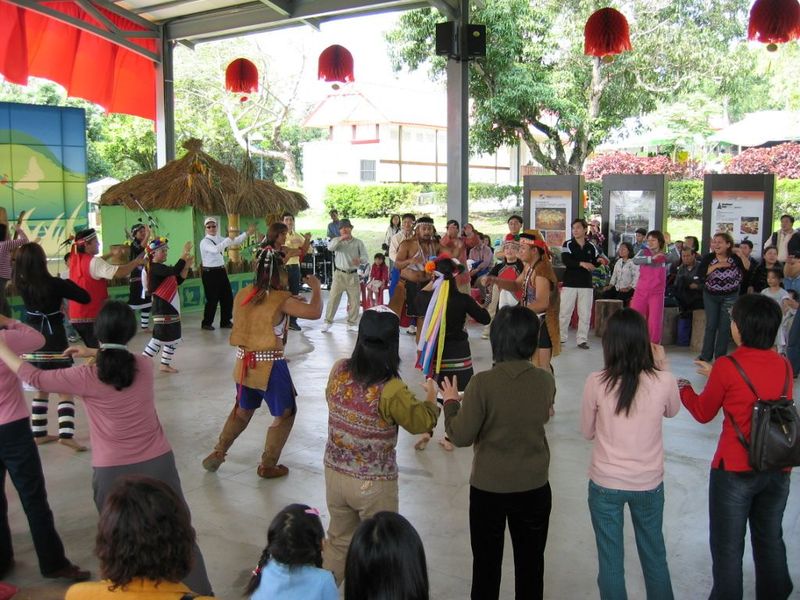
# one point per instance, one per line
(198, 180)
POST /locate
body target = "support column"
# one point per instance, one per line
(458, 124)
(165, 105)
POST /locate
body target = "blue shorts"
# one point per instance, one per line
(279, 395)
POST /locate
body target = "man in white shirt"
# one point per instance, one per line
(349, 254)
(216, 286)
(780, 239)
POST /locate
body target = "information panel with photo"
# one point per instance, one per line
(551, 214)
(629, 210)
(740, 214)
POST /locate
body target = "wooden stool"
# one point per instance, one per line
(669, 331)
(603, 309)
(698, 330)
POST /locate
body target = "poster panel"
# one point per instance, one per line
(628, 211)
(551, 214)
(740, 214)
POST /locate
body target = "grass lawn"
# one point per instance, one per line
(372, 231)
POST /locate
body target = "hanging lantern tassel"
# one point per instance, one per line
(336, 65)
(606, 33)
(774, 22)
(241, 77)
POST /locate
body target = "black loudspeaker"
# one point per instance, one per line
(446, 39)
(476, 40)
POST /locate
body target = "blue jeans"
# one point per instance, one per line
(733, 500)
(647, 512)
(718, 325)
(793, 346)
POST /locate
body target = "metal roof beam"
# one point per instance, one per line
(447, 8)
(282, 7)
(163, 6)
(258, 16)
(117, 36)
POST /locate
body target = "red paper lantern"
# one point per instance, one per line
(336, 64)
(241, 77)
(774, 22)
(606, 33)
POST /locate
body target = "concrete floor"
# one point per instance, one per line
(232, 508)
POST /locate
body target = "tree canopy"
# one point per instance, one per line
(535, 85)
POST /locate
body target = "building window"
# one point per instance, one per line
(367, 170)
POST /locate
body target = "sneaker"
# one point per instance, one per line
(412, 330)
(326, 328)
(352, 328)
(583, 346)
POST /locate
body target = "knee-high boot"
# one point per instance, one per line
(276, 440)
(234, 425)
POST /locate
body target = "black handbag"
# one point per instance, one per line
(774, 429)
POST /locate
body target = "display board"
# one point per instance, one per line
(741, 205)
(550, 204)
(631, 202)
(43, 171)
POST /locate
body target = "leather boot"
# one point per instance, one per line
(234, 425)
(276, 440)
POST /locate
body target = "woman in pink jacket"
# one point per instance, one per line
(648, 297)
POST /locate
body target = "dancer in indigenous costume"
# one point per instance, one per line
(43, 296)
(444, 343)
(138, 298)
(412, 254)
(92, 273)
(539, 289)
(163, 281)
(261, 316)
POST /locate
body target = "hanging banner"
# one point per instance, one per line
(551, 214)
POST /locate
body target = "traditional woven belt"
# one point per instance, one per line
(259, 355)
(166, 319)
(45, 357)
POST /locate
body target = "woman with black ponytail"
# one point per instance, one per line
(124, 429)
(290, 566)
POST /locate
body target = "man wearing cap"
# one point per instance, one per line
(349, 254)
(411, 257)
(92, 273)
(216, 286)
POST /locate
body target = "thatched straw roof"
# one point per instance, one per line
(208, 185)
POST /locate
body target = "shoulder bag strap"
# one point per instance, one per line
(746, 379)
(789, 378)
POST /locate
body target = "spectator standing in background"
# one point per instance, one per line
(640, 242)
(334, 225)
(296, 246)
(750, 265)
(688, 285)
(780, 239)
(349, 254)
(393, 229)
(580, 258)
(216, 285)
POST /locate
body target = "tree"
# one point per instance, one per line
(226, 122)
(536, 82)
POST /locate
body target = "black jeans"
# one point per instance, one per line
(217, 289)
(20, 458)
(733, 500)
(528, 515)
(294, 283)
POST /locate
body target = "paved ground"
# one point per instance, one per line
(232, 508)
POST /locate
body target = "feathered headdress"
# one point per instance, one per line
(265, 270)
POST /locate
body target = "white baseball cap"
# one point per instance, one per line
(210, 220)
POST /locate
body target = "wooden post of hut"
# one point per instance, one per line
(234, 252)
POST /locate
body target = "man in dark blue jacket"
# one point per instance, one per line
(580, 258)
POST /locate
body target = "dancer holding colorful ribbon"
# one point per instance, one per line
(444, 343)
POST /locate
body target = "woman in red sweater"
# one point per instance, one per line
(736, 493)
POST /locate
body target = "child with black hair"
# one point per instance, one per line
(378, 280)
(290, 566)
